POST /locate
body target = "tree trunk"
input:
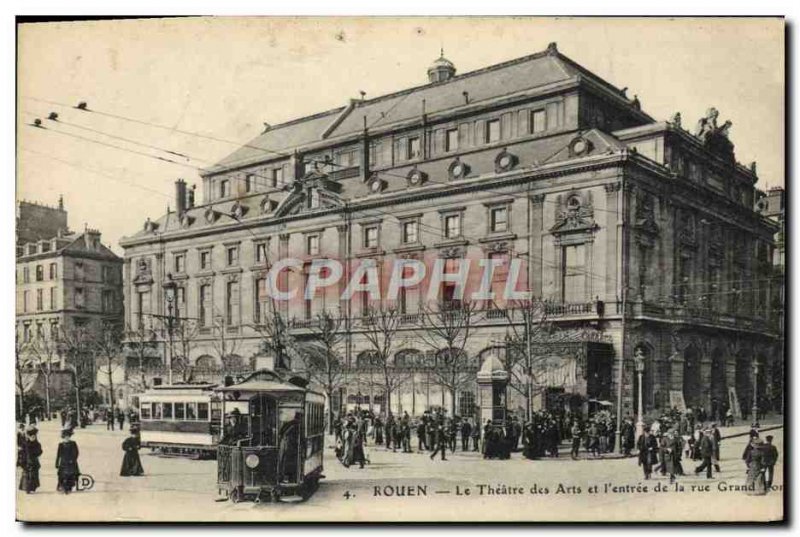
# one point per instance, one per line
(111, 392)
(47, 394)
(453, 401)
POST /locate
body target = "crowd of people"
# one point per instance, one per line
(29, 449)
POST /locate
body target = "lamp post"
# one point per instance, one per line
(755, 390)
(169, 289)
(638, 360)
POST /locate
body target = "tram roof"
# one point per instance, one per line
(258, 385)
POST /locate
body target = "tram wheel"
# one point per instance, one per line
(236, 496)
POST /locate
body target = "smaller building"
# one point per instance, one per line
(64, 281)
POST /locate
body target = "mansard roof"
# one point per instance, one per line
(529, 72)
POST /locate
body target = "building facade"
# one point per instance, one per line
(65, 281)
(639, 238)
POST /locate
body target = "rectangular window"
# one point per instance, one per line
(277, 177)
(233, 256)
(166, 411)
(25, 301)
(180, 263)
(205, 260)
(146, 411)
(78, 271)
(261, 252)
(261, 299)
(249, 180)
(191, 411)
(39, 273)
(157, 414)
(108, 274)
(452, 226)
(538, 121)
(224, 188)
(451, 140)
(39, 300)
(180, 411)
(498, 219)
(26, 275)
(108, 301)
(53, 271)
(371, 237)
(79, 299)
(205, 305)
(413, 148)
(180, 300)
(312, 244)
(573, 273)
(232, 303)
(202, 411)
(492, 131)
(52, 298)
(409, 232)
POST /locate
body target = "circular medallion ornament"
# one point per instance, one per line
(251, 461)
(375, 186)
(505, 161)
(458, 169)
(580, 146)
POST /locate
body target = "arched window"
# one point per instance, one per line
(366, 359)
(466, 404)
(205, 362)
(407, 358)
(234, 362)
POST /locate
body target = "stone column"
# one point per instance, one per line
(535, 249)
(612, 290)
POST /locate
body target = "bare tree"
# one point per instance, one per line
(20, 349)
(276, 339)
(381, 325)
(76, 346)
(107, 346)
(43, 352)
(529, 327)
(322, 358)
(446, 327)
(185, 332)
(224, 346)
(142, 342)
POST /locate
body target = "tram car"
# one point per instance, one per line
(181, 419)
(273, 438)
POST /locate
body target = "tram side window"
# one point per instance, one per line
(180, 411)
(167, 411)
(156, 411)
(145, 411)
(202, 411)
(191, 411)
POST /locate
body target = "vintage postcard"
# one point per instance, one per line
(502, 269)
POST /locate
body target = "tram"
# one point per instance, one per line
(181, 419)
(273, 438)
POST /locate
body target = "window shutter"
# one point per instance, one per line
(524, 128)
(480, 132)
(505, 126)
(438, 142)
(463, 135)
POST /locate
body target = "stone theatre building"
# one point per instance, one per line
(641, 236)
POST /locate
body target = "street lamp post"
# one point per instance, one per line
(169, 289)
(638, 360)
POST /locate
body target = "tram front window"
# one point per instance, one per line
(263, 412)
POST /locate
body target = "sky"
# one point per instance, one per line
(220, 79)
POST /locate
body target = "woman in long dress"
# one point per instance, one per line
(67, 462)
(131, 463)
(756, 482)
(30, 453)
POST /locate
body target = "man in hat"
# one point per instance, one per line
(770, 458)
(706, 451)
(648, 451)
(288, 444)
(67, 462)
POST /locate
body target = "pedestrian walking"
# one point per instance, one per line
(31, 451)
(706, 452)
(770, 458)
(131, 463)
(576, 439)
(67, 462)
(648, 452)
(121, 418)
(756, 484)
(476, 436)
(440, 440)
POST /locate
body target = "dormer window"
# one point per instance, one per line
(498, 219)
(312, 244)
(492, 131)
(413, 148)
(224, 188)
(371, 237)
(451, 140)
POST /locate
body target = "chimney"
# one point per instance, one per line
(180, 196)
(190, 197)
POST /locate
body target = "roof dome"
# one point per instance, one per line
(441, 69)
